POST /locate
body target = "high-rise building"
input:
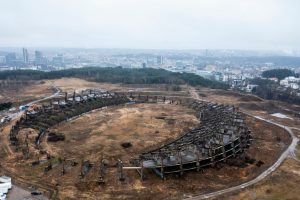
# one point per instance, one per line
(10, 58)
(38, 58)
(144, 65)
(25, 55)
(2, 59)
(58, 60)
(159, 60)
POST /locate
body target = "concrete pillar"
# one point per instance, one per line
(120, 168)
(180, 160)
(142, 171)
(224, 151)
(162, 166)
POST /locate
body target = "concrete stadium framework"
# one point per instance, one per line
(222, 133)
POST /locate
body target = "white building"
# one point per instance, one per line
(5, 186)
(291, 82)
(250, 87)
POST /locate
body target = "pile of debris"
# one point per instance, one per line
(55, 137)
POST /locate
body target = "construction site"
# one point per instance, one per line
(130, 142)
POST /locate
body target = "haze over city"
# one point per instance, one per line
(155, 24)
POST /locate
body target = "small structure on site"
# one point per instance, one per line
(5, 186)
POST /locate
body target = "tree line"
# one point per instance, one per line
(6, 105)
(272, 90)
(117, 75)
(279, 73)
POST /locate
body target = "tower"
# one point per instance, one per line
(38, 57)
(159, 60)
(25, 55)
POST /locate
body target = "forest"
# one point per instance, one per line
(116, 75)
(6, 105)
(272, 90)
(278, 73)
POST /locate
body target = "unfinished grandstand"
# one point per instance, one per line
(221, 134)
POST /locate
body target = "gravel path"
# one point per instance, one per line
(18, 193)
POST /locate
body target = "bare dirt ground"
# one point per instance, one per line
(282, 184)
(100, 134)
(18, 193)
(266, 147)
(269, 141)
(103, 140)
(253, 105)
(71, 84)
(22, 93)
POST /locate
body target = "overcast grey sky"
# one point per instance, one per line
(154, 24)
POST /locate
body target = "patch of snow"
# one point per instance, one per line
(282, 116)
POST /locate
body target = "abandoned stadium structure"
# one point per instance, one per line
(221, 134)
(60, 110)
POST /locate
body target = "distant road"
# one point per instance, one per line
(18, 193)
(290, 151)
(45, 98)
(18, 114)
